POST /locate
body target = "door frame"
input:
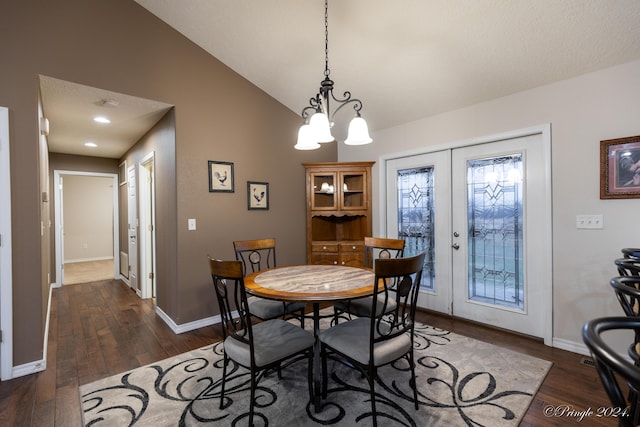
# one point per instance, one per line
(57, 174)
(146, 238)
(547, 259)
(6, 273)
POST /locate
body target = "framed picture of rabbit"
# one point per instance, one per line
(257, 195)
(220, 177)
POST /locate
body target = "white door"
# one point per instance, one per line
(132, 229)
(495, 235)
(147, 227)
(419, 203)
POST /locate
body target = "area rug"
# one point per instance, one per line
(461, 382)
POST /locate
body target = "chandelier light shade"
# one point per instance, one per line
(318, 116)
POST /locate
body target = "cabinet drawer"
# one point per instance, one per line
(352, 247)
(324, 258)
(324, 247)
(351, 259)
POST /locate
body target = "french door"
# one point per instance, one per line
(482, 215)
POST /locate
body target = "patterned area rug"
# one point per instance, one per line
(461, 382)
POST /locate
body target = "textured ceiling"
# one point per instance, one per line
(408, 59)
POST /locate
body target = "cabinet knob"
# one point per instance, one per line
(343, 262)
(324, 248)
(335, 262)
(353, 247)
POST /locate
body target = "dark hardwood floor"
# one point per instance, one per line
(102, 328)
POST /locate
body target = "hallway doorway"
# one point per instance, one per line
(92, 231)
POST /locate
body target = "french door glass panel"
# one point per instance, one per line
(418, 211)
(495, 237)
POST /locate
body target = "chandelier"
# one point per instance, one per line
(318, 116)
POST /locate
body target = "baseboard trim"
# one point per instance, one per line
(189, 326)
(571, 346)
(28, 368)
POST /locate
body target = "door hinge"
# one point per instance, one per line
(150, 227)
(0, 336)
(151, 276)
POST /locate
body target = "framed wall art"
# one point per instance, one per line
(257, 195)
(220, 177)
(620, 168)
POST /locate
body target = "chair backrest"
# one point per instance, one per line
(406, 273)
(228, 282)
(631, 252)
(256, 255)
(627, 291)
(628, 266)
(380, 247)
(608, 361)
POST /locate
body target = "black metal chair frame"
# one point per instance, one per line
(407, 272)
(228, 280)
(610, 363)
(260, 254)
(384, 248)
(628, 266)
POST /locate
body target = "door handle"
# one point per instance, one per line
(455, 246)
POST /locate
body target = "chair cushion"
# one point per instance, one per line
(265, 308)
(361, 307)
(292, 307)
(273, 340)
(352, 339)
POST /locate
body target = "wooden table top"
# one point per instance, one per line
(311, 283)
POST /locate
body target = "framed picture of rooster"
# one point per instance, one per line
(257, 195)
(220, 177)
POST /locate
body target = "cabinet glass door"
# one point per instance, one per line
(353, 185)
(323, 191)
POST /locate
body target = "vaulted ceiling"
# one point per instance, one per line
(408, 59)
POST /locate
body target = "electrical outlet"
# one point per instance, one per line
(589, 221)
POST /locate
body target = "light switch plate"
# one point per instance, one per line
(589, 221)
(192, 223)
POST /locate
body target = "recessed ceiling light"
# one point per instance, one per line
(101, 119)
(90, 144)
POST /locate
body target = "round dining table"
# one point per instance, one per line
(313, 284)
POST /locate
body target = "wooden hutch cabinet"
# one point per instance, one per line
(338, 212)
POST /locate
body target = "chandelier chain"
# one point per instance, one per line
(326, 38)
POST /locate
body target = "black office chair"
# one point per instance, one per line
(610, 363)
(374, 248)
(368, 343)
(257, 347)
(257, 255)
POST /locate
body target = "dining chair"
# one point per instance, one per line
(627, 290)
(260, 254)
(628, 266)
(265, 345)
(367, 343)
(611, 363)
(631, 252)
(374, 248)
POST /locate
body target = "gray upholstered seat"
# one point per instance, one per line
(273, 340)
(352, 339)
(370, 342)
(265, 345)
